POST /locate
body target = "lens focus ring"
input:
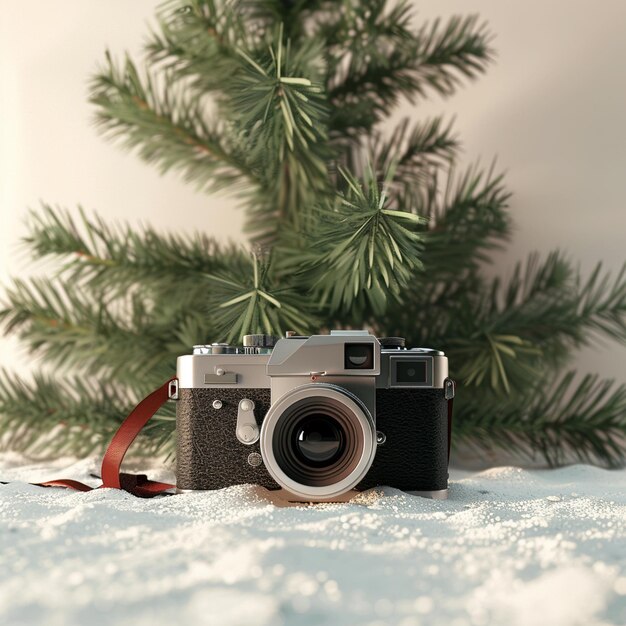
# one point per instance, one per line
(318, 441)
(305, 470)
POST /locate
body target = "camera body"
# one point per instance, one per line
(317, 417)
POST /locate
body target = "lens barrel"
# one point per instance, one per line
(322, 463)
(318, 441)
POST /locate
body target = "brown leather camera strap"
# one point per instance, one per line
(138, 484)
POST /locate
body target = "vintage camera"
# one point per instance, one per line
(315, 416)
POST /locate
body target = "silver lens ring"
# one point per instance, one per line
(359, 425)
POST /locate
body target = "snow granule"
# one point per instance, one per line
(510, 547)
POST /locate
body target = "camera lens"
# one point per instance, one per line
(316, 442)
(319, 440)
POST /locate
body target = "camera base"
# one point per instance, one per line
(281, 497)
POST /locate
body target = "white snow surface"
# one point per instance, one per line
(510, 546)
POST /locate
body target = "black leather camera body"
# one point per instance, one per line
(317, 417)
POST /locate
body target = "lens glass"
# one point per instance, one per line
(319, 440)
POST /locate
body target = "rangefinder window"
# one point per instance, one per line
(359, 356)
(411, 372)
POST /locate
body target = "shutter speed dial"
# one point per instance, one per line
(389, 343)
(258, 344)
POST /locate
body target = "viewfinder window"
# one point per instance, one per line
(411, 372)
(359, 356)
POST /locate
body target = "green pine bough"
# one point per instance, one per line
(351, 224)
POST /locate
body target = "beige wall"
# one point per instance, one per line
(552, 109)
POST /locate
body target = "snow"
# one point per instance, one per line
(511, 546)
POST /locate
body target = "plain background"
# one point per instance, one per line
(551, 109)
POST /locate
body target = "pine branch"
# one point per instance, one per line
(62, 323)
(496, 360)
(415, 148)
(299, 89)
(534, 280)
(370, 64)
(274, 87)
(197, 295)
(279, 105)
(167, 128)
(361, 253)
(557, 310)
(560, 422)
(505, 340)
(387, 61)
(270, 91)
(47, 417)
(198, 42)
(602, 306)
(466, 220)
(543, 317)
(113, 258)
(295, 15)
(446, 54)
(254, 300)
(362, 31)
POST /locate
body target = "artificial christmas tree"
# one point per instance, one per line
(350, 225)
